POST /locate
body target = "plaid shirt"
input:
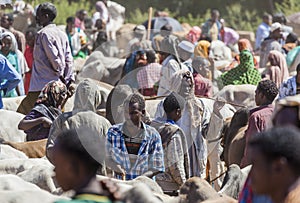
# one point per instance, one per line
(150, 155)
(149, 75)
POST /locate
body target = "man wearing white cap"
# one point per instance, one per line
(181, 54)
(270, 43)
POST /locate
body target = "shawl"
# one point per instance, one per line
(244, 73)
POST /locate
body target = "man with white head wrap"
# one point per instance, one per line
(194, 121)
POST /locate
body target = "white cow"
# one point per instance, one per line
(9, 131)
(101, 68)
(242, 95)
(8, 152)
(14, 189)
(12, 103)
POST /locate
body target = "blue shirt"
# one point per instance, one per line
(9, 77)
(150, 155)
(262, 32)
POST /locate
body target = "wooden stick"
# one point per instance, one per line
(149, 23)
(199, 96)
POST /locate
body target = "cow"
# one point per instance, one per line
(9, 131)
(8, 152)
(101, 68)
(240, 95)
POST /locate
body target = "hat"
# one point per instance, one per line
(140, 29)
(275, 26)
(187, 46)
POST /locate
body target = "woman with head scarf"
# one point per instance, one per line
(47, 107)
(202, 49)
(244, 73)
(278, 70)
(9, 49)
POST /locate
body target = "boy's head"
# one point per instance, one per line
(45, 14)
(173, 105)
(77, 155)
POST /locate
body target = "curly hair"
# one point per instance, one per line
(268, 88)
(136, 98)
(48, 8)
(173, 102)
(280, 142)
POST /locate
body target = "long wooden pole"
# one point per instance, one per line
(149, 23)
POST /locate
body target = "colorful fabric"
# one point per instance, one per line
(288, 88)
(229, 36)
(150, 154)
(87, 198)
(244, 73)
(47, 105)
(149, 75)
(292, 55)
(202, 49)
(53, 94)
(262, 32)
(29, 59)
(12, 58)
(203, 86)
(259, 121)
(9, 77)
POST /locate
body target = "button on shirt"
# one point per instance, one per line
(150, 155)
(52, 58)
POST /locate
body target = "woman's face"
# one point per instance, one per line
(6, 44)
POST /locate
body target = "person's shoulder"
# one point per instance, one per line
(151, 130)
(116, 127)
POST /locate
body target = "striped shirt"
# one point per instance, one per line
(150, 155)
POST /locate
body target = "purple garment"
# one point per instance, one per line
(230, 36)
(39, 132)
(259, 121)
(52, 58)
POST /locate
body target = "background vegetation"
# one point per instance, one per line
(239, 14)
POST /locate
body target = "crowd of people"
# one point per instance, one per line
(177, 143)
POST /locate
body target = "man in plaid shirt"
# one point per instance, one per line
(134, 148)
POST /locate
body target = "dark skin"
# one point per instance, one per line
(133, 124)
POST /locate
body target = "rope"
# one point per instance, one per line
(199, 96)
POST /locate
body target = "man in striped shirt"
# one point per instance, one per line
(133, 147)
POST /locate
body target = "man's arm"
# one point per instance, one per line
(156, 159)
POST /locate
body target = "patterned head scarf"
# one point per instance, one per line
(53, 94)
(244, 73)
(202, 49)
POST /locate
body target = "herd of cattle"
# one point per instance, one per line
(27, 179)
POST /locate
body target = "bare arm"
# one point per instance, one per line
(28, 124)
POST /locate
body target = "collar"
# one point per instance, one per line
(170, 121)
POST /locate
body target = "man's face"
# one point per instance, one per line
(41, 18)
(258, 97)
(187, 85)
(215, 16)
(260, 174)
(277, 33)
(5, 22)
(133, 113)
